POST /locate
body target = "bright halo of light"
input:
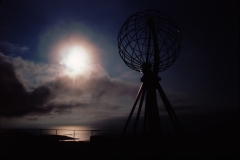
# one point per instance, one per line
(76, 60)
(75, 54)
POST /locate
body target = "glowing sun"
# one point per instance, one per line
(76, 59)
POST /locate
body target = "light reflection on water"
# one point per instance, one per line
(79, 132)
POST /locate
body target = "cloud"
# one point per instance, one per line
(13, 49)
(32, 119)
(15, 101)
(28, 88)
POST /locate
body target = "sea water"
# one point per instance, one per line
(79, 133)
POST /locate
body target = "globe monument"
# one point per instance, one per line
(149, 42)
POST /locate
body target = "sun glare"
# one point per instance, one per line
(76, 59)
(76, 55)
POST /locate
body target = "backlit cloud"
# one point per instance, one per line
(30, 88)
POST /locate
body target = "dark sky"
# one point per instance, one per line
(38, 90)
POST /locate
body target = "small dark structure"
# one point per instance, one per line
(149, 42)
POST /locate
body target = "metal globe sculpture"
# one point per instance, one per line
(149, 42)
(136, 40)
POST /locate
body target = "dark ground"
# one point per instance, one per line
(20, 145)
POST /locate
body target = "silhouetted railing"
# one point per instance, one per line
(82, 134)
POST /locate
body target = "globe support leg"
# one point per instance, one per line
(130, 115)
(139, 111)
(153, 117)
(176, 124)
(152, 123)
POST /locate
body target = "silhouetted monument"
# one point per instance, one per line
(149, 42)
